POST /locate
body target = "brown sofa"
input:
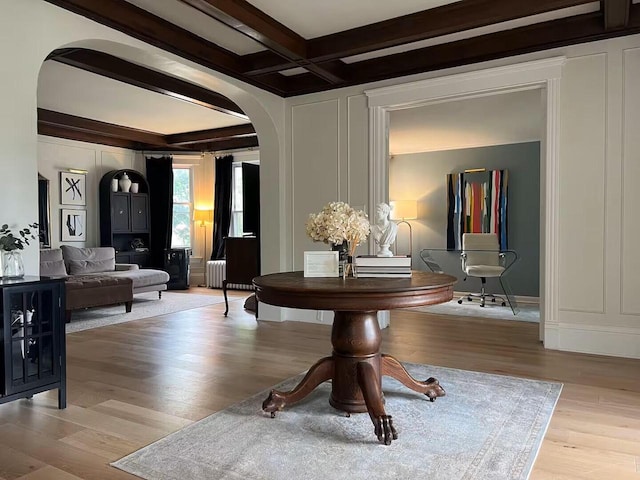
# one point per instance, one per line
(94, 279)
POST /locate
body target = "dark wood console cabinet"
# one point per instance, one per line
(124, 217)
(33, 353)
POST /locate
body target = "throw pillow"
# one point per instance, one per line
(53, 268)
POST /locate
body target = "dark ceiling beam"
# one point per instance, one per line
(227, 144)
(71, 127)
(86, 125)
(542, 36)
(58, 131)
(243, 17)
(138, 23)
(435, 22)
(226, 133)
(123, 71)
(616, 13)
(248, 20)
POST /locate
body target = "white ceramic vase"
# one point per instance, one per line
(134, 187)
(114, 184)
(125, 182)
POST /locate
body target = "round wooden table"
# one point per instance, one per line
(356, 365)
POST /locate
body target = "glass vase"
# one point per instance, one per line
(345, 261)
(12, 264)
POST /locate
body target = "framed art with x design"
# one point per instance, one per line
(73, 188)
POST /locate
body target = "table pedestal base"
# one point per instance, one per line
(356, 369)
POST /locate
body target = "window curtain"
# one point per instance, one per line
(222, 205)
(160, 178)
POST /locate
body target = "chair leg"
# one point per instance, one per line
(483, 295)
(226, 302)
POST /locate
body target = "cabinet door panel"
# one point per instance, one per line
(141, 259)
(139, 220)
(123, 258)
(31, 316)
(120, 213)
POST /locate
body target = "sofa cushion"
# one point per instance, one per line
(80, 261)
(143, 277)
(51, 263)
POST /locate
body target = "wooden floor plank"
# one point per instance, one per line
(14, 463)
(106, 446)
(49, 473)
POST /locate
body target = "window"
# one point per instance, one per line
(236, 227)
(182, 206)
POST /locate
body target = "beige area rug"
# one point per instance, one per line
(145, 305)
(528, 312)
(487, 427)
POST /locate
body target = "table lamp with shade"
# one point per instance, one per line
(203, 216)
(403, 210)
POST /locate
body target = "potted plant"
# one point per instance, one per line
(10, 246)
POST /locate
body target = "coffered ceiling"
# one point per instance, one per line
(294, 47)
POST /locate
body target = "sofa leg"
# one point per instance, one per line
(127, 306)
(159, 294)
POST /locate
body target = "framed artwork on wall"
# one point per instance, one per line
(73, 188)
(477, 203)
(74, 225)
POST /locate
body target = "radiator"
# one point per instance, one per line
(216, 274)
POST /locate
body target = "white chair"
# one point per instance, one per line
(481, 257)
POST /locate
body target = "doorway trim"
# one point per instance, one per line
(544, 75)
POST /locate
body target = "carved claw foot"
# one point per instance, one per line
(274, 403)
(384, 429)
(434, 389)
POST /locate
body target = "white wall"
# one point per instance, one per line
(56, 155)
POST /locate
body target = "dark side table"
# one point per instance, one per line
(356, 365)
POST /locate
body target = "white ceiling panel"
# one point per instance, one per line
(476, 32)
(69, 90)
(312, 19)
(200, 24)
(479, 122)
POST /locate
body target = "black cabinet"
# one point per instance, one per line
(33, 354)
(176, 264)
(124, 218)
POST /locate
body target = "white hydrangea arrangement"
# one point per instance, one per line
(338, 222)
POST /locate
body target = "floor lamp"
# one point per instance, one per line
(203, 216)
(403, 210)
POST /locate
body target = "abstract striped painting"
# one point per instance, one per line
(477, 203)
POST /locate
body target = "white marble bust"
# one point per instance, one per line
(384, 231)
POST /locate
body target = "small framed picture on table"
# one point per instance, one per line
(321, 264)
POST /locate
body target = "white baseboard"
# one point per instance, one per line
(598, 340)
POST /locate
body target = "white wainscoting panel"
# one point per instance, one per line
(316, 159)
(630, 262)
(582, 178)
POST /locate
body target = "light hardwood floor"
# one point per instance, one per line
(133, 383)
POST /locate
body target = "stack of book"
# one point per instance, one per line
(371, 266)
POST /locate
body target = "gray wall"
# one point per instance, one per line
(422, 176)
